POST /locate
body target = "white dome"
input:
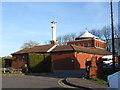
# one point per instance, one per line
(86, 34)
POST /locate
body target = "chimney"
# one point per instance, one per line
(54, 32)
(54, 42)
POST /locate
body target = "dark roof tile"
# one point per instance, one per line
(63, 48)
(91, 50)
(66, 48)
(42, 48)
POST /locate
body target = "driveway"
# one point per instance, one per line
(28, 81)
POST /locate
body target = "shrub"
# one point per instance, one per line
(2, 63)
(38, 63)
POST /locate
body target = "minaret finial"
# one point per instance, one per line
(86, 28)
(53, 30)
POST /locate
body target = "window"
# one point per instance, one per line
(98, 44)
(90, 44)
(23, 57)
(80, 44)
(85, 45)
(76, 44)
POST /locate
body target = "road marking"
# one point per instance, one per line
(64, 85)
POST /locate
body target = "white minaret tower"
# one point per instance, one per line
(53, 30)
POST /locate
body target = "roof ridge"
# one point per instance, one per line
(88, 47)
(72, 47)
(44, 45)
(50, 49)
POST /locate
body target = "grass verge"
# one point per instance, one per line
(98, 80)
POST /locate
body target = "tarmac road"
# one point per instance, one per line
(26, 81)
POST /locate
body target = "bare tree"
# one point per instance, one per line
(30, 44)
(73, 36)
(62, 40)
(66, 38)
(117, 31)
(47, 42)
(106, 32)
(117, 39)
(96, 33)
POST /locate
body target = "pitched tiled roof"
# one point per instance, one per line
(81, 49)
(91, 50)
(22, 51)
(42, 48)
(63, 48)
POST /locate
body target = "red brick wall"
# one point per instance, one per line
(82, 42)
(20, 57)
(81, 58)
(18, 64)
(62, 61)
(95, 43)
(99, 44)
(54, 42)
(19, 60)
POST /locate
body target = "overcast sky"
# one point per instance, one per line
(22, 22)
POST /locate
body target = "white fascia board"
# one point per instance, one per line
(100, 40)
(82, 40)
(51, 48)
(88, 39)
(100, 48)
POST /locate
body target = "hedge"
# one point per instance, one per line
(2, 63)
(38, 63)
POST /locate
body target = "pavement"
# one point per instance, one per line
(85, 84)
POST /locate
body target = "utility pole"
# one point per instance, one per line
(113, 47)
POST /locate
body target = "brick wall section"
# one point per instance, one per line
(94, 43)
(71, 60)
(82, 43)
(99, 44)
(54, 42)
(17, 57)
(81, 58)
(62, 61)
(19, 60)
(18, 64)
